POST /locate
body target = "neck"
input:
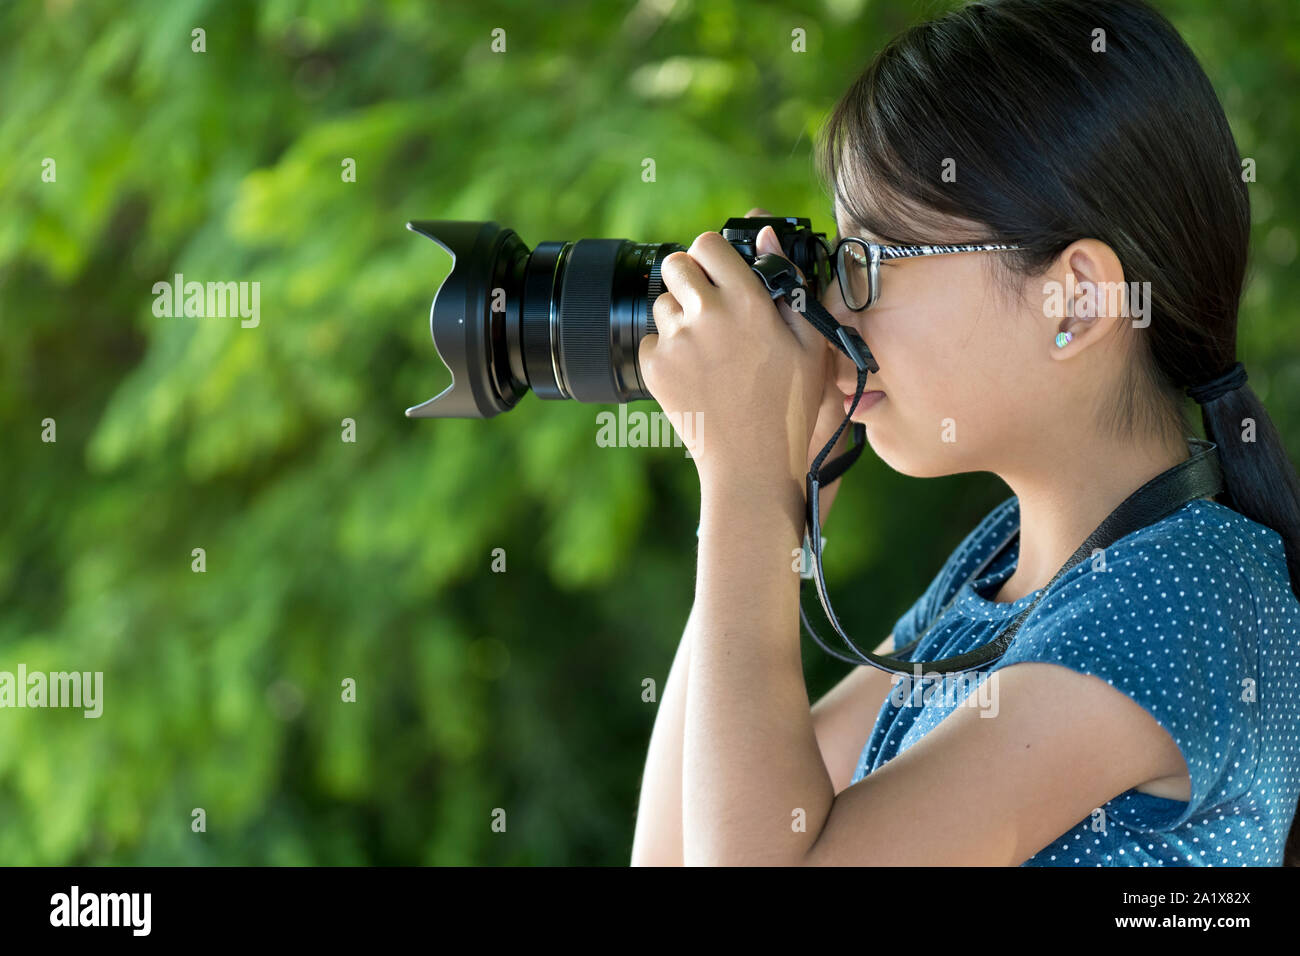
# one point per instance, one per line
(1064, 496)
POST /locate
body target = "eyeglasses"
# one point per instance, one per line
(857, 265)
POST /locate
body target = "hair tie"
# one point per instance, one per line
(1234, 377)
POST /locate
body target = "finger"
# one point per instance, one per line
(757, 211)
(832, 397)
(721, 262)
(668, 315)
(802, 328)
(646, 358)
(808, 336)
(769, 243)
(686, 279)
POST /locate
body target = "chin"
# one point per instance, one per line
(914, 459)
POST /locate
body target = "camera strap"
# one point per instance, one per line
(1199, 476)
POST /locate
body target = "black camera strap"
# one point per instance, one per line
(1198, 477)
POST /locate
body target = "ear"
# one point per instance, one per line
(1085, 295)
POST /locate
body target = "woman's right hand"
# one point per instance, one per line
(829, 417)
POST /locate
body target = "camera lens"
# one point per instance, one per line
(586, 307)
(564, 319)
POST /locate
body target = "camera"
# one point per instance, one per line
(565, 319)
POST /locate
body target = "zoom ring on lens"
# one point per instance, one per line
(585, 359)
(654, 290)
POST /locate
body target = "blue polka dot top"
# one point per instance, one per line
(1192, 617)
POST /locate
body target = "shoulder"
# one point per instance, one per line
(1191, 575)
(1177, 594)
(1167, 616)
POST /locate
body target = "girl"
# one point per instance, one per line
(1148, 710)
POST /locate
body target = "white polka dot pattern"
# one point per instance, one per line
(1194, 619)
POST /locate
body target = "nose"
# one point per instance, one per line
(846, 373)
(847, 386)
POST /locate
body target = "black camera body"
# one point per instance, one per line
(566, 318)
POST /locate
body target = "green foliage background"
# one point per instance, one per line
(328, 560)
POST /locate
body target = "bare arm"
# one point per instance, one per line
(843, 718)
(657, 840)
(658, 837)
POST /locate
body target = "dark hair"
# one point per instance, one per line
(1061, 132)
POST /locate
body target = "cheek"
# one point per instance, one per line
(923, 358)
(958, 332)
(943, 363)
(947, 347)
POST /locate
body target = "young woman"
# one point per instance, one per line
(1148, 711)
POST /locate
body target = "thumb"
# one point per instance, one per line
(808, 336)
(767, 242)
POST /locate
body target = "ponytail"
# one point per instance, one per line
(1260, 480)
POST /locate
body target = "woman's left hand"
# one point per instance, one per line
(740, 376)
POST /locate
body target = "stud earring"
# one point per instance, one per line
(1063, 339)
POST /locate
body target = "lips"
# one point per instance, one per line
(852, 389)
(868, 400)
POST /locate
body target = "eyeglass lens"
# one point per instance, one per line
(854, 275)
